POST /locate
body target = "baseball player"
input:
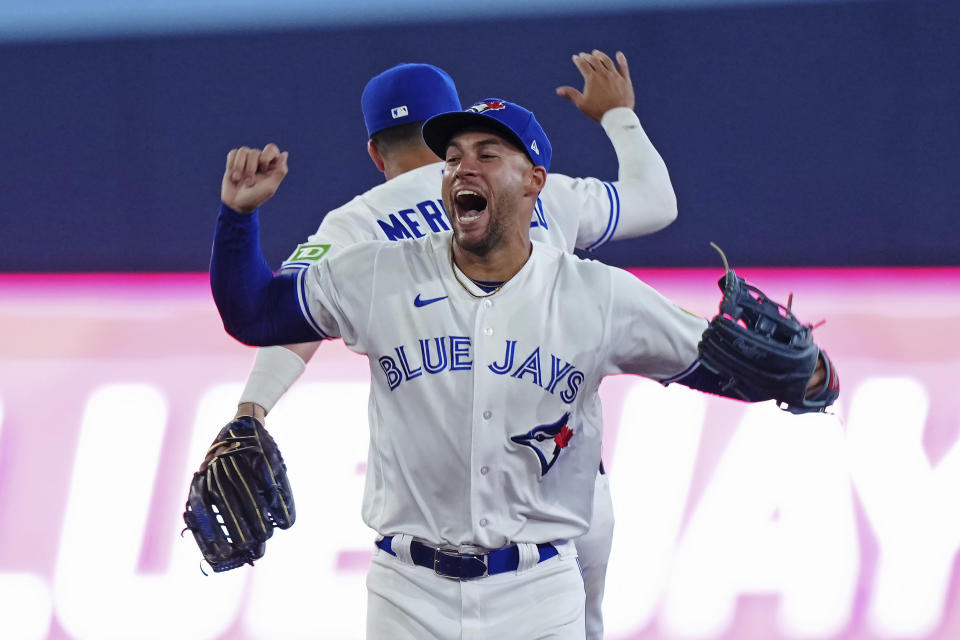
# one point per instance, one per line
(486, 352)
(584, 213)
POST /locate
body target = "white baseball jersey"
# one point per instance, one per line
(582, 213)
(485, 423)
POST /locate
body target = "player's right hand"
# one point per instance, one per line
(252, 177)
(606, 84)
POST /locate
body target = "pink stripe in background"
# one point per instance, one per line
(66, 338)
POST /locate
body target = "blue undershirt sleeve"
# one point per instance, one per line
(256, 306)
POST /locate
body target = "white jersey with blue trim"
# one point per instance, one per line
(485, 421)
(570, 213)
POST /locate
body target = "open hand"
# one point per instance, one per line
(606, 85)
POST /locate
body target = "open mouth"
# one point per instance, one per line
(470, 205)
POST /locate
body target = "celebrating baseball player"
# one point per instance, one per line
(486, 352)
(581, 213)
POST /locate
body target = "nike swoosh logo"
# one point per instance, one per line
(417, 302)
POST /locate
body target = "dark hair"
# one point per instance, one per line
(396, 138)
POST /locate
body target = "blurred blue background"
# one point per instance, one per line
(797, 133)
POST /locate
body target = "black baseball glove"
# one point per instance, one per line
(762, 349)
(239, 494)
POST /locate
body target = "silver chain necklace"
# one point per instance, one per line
(453, 267)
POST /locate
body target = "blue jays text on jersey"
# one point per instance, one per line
(454, 353)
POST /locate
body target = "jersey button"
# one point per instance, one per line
(483, 522)
(487, 415)
(484, 470)
(488, 331)
(487, 303)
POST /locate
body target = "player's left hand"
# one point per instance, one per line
(817, 379)
(606, 85)
(763, 351)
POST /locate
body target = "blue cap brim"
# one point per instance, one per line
(439, 130)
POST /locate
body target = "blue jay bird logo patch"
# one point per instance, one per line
(488, 105)
(547, 441)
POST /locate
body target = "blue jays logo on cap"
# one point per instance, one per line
(480, 107)
(547, 441)
(508, 119)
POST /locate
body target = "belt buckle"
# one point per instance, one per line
(438, 552)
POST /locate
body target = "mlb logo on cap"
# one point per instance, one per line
(399, 112)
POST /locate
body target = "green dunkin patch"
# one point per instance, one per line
(309, 251)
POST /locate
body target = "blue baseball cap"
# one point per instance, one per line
(511, 120)
(407, 93)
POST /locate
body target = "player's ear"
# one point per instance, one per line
(537, 178)
(375, 155)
